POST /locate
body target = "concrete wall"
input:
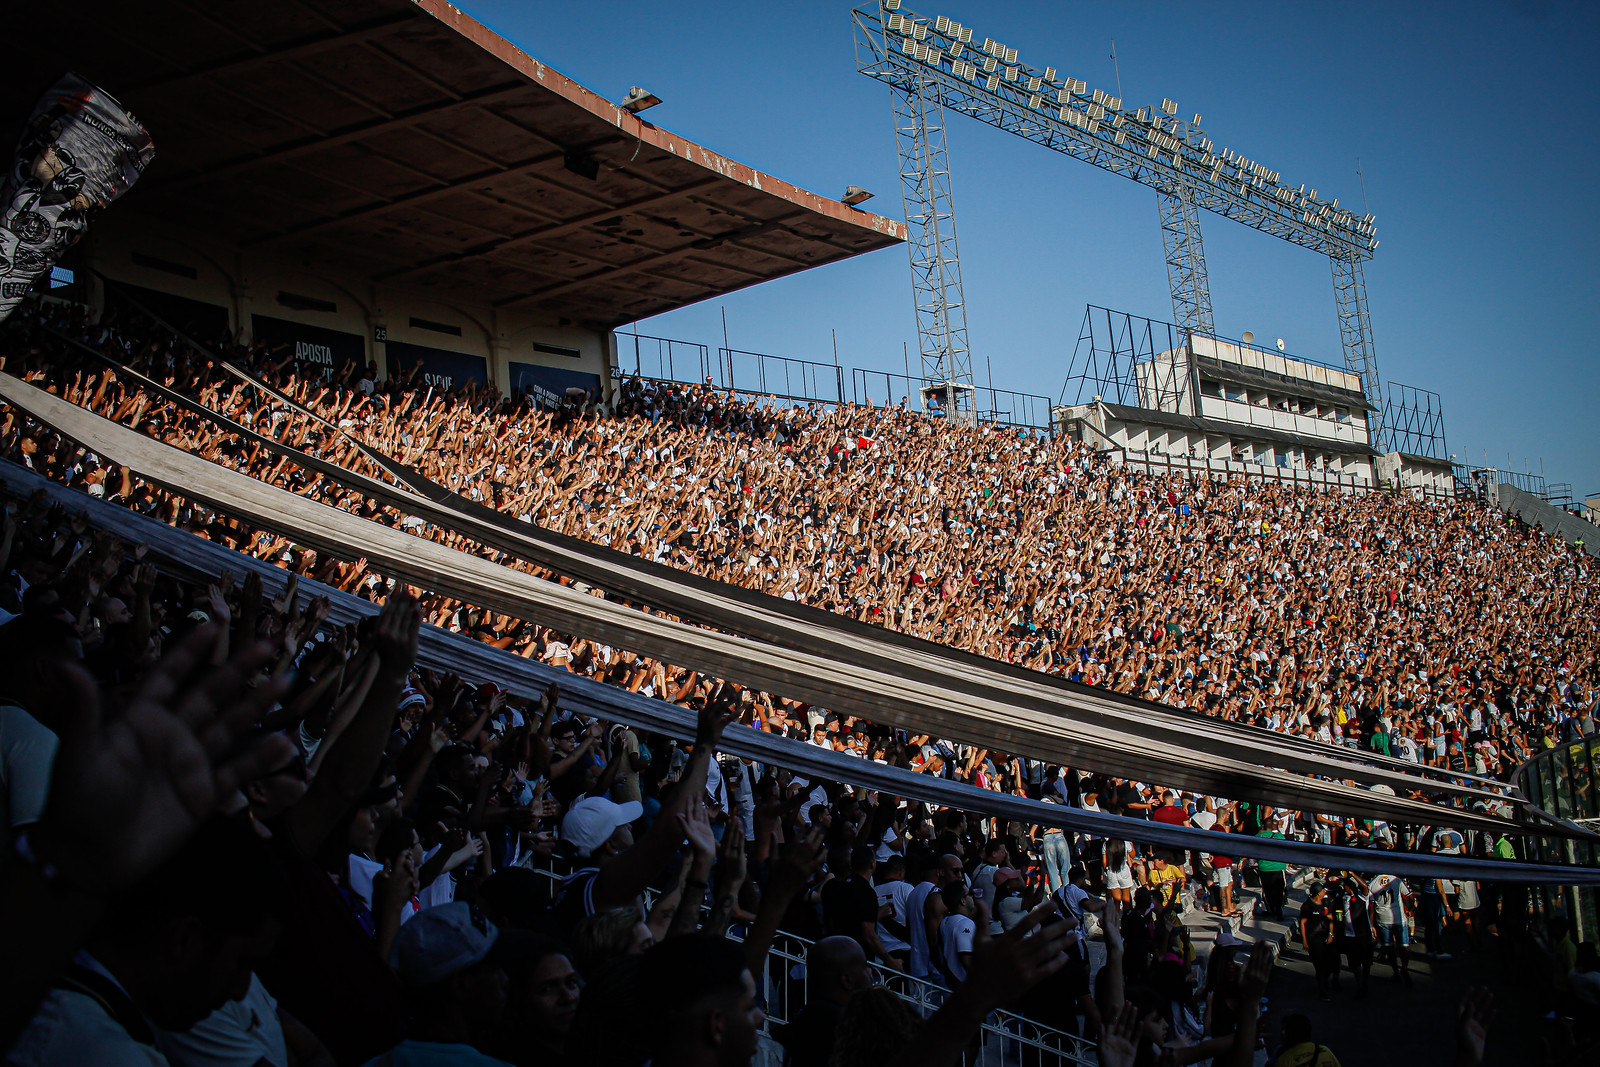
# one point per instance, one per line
(1511, 500)
(1408, 472)
(248, 283)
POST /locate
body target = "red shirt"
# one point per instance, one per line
(1170, 814)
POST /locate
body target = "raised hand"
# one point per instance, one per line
(1119, 1041)
(1257, 972)
(217, 603)
(721, 709)
(1005, 967)
(800, 859)
(395, 634)
(1111, 924)
(127, 791)
(1475, 1013)
(695, 825)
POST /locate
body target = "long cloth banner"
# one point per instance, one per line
(196, 559)
(752, 613)
(733, 609)
(877, 695)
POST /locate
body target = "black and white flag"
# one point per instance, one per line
(80, 151)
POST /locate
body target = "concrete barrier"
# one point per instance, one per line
(1549, 518)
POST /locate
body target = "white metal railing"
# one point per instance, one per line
(1006, 1038)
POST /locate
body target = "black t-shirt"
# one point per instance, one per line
(1318, 923)
(847, 903)
(1126, 794)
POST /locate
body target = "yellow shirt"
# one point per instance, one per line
(1306, 1054)
(1166, 881)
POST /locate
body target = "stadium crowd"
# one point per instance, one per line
(281, 841)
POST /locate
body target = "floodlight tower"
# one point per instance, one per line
(936, 286)
(938, 59)
(931, 223)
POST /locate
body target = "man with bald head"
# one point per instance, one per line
(836, 967)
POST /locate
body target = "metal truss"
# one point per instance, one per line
(1149, 146)
(1119, 359)
(1186, 264)
(1413, 420)
(1355, 334)
(931, 234)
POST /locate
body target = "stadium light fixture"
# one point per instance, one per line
(638, 99)
(854, 194)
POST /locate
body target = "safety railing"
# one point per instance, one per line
(972, 406)
(1006, 1038)
(1564, 781)
(663, 358)
(780, 376)
(1006, 407)
(1165, 463)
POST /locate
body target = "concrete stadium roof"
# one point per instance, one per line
(405, 142)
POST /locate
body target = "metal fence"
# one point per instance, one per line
(1564, 781)
(780, 376)
(977, 406)
(1006, 1039)
(1189, 466)
(663, 358)
(788, 380)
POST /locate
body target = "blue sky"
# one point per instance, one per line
(1475, 125)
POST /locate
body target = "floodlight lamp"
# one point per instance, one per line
(638, 99)
(854, 194)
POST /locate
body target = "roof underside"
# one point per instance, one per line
(405, 143)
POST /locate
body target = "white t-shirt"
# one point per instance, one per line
(362, 873)
(955, 937)
(27, 757)
(1071, 898)
(241, 1033)
(983, 883)
(895, 894)
(71, 1027)
(886, 846)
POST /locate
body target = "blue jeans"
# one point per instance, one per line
(1057, 860)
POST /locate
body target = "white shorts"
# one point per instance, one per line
(1224, 875)
(1122, 879)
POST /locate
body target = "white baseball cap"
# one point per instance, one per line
(590, 822)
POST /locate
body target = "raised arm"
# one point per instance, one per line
(623, 878)
(349, 767)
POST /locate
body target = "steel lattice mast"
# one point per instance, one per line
(938, 60)
(931, 240)
(1186, 264)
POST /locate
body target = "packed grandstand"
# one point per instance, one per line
(269, 801)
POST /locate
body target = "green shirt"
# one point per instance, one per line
(1269, 866)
